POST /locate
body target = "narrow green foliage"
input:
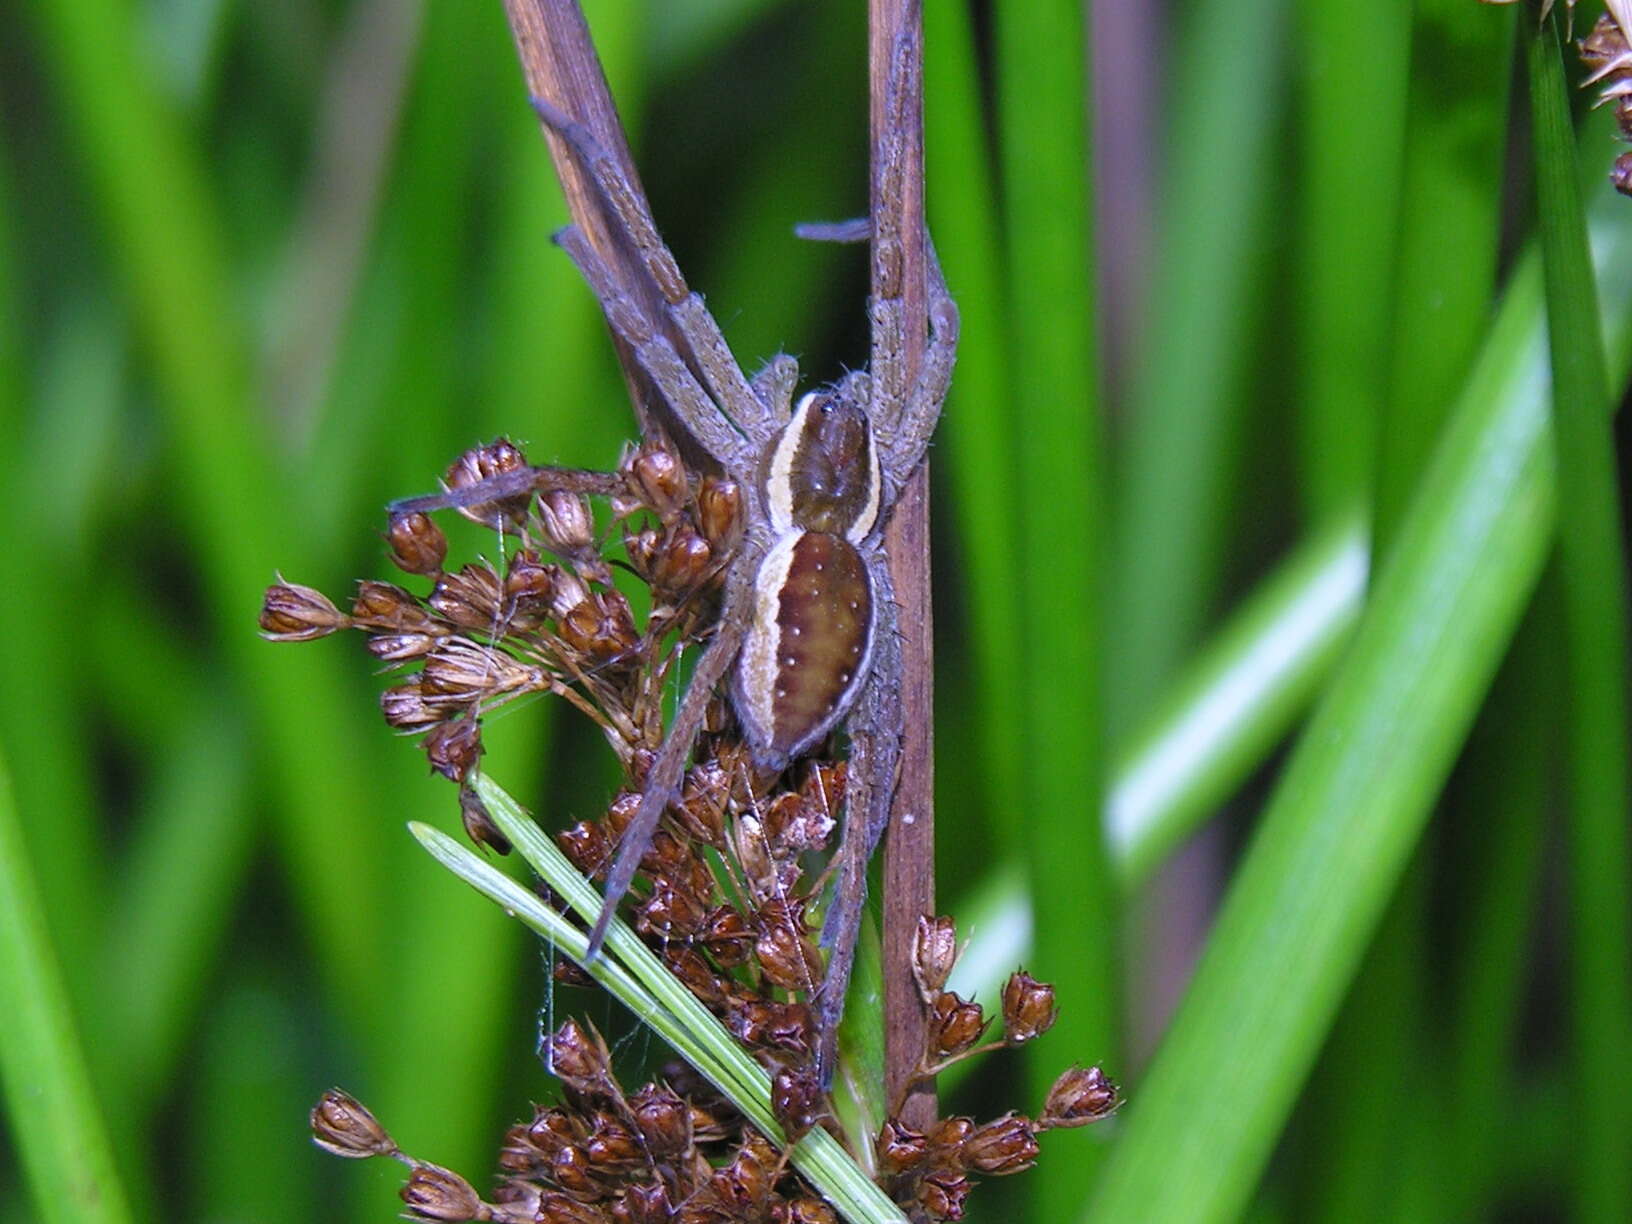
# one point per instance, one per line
(1593, 569)
(1449, 219)
(1352, 67)
(1053, 414)
(60, 1135)
(1236, 699)
(1182, 453)
(1352, 802)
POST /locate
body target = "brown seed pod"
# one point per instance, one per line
(719, 512)
(294, 613)
(497, 458)
(663, 1118)
(1080, 1096)
(405, 708)
(417, 543)
(943, 1194)
(900, 1148)
(435, 1193)
(1029, 1009)
(390, 609)
(797, 1099)
(934, 952)
(955, 1024)
(341, 1124)
(1006, 1145)
(660, 478)
(471, 597)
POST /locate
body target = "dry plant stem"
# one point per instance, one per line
(560, 65)
(909, 850)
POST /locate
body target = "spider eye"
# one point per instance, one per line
(827, 408)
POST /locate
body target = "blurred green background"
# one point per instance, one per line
(1234, 323)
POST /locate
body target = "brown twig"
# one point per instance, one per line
(909, 852)
(560, 65)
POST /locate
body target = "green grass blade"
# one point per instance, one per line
(1182, 447)
(631, 971)
(1511, 754)
(1055, 423)
(1353, 62)
(974, 458)
(1450, 215)
(1236, 699)
(58, 1126)
(1356, 793)
(1593, 566)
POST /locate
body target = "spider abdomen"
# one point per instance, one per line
(808, 648)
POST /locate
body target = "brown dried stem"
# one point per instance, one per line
(909, 852)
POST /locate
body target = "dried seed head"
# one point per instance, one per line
(663, 1118)
(479, 826)
(745, 1180)
(681, 563)
(719, 512)
(529, 584)
(453, 748)
(1028, 1008)
(390, 609)
(600, 626)
(1007, 1145)
(796, 1099)
(587, 847)
(568, 526)
(942, 1194)
(341, 1124)
(900, 1147)
(405, 709)
(417, 543)
(401, 647)
(642, 547)
(788, 957)
(947, 1137)
(579, 1058)
(435, 1193)
(483, 463)
(703, 799)
(1080, 1096)
(1620, 174)
(955, 1024)
(294, 613)
(934, 952)
(785, 1026)
(729, 938)
(645, 1203)
(803, 1211)
(1604, 49)
(471, 597)
(572, 1171)
(670, 912)
(557, 1208)
(613, 1149)
(460, 671)
(661, 480)
(687, 964)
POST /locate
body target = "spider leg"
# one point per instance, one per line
(512, 484)
(886, 308)
(774, 385)
(719, 368)
(658, 357)
(904, 438)
(875, 732)
(663, 779)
